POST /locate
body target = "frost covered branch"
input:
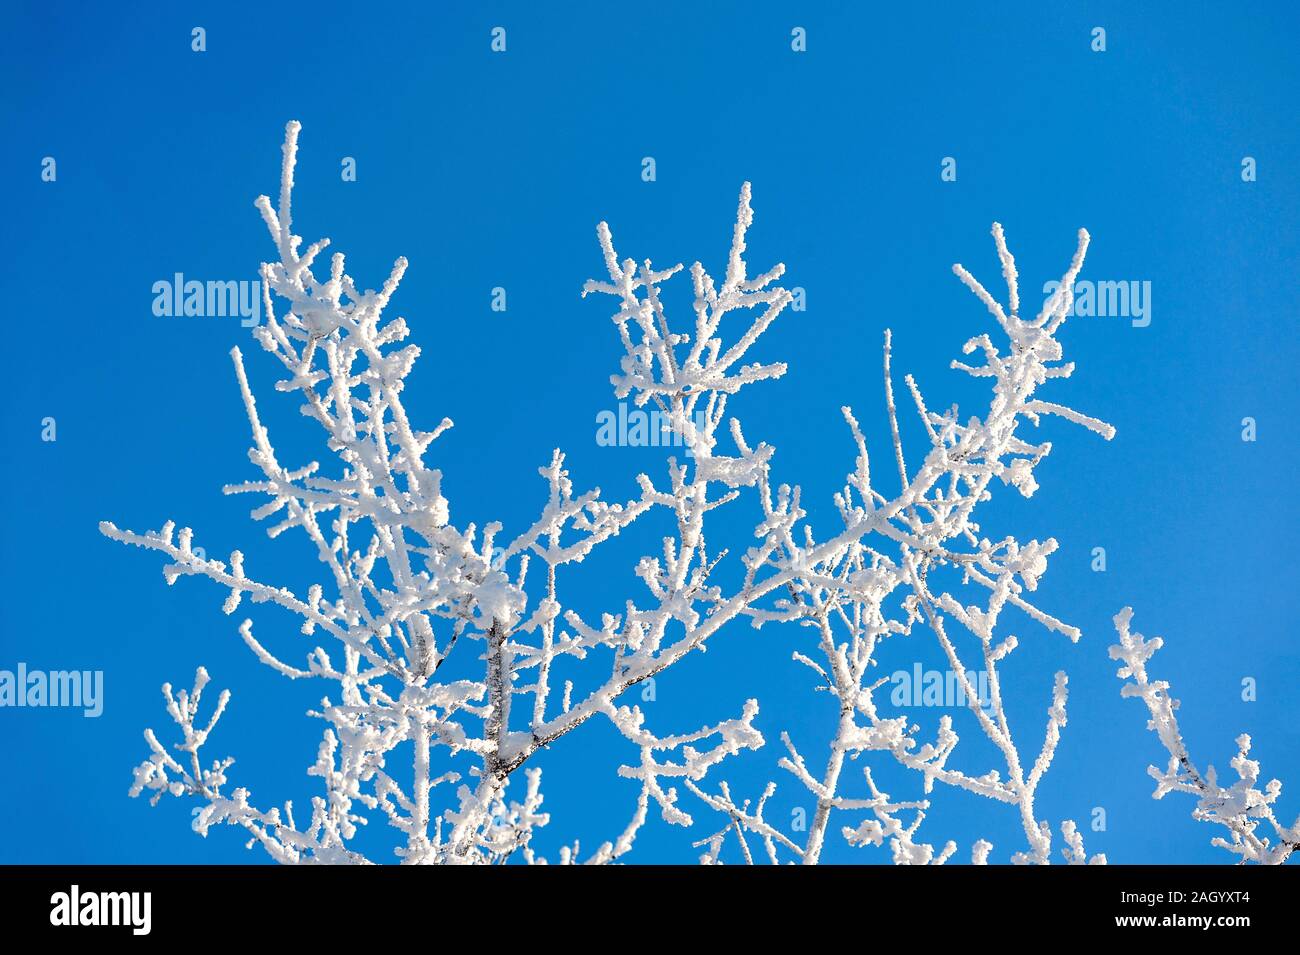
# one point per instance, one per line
(403, 590)
(1239, 808)
(878, 578)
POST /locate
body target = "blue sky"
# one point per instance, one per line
(492, 170)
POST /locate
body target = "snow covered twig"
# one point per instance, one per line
(1241, 808)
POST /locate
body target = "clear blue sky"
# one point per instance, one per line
(492, 170)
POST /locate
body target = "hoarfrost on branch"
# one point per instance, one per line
(404, 589)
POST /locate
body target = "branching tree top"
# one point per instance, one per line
(403, 589)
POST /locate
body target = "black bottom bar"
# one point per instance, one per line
(340, 904)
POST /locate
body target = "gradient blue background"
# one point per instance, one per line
(492, 170)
